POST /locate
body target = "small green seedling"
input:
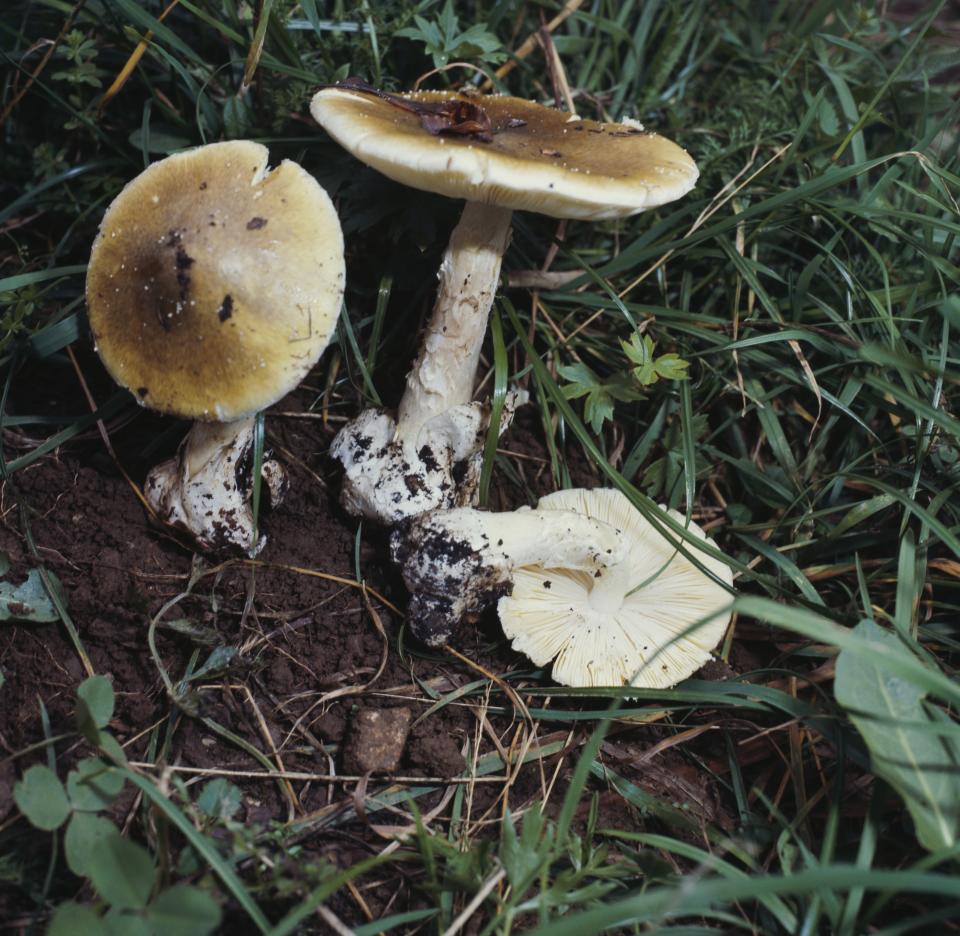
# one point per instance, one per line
(122, 872)
(649, 368)
(601, 394)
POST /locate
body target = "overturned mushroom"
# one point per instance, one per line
(213, 287)
(582, 580)
(500, 154)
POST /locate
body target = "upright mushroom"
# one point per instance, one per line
(582, 580)
(500, 154)
(213, 287)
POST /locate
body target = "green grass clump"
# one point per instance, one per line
(810, 283)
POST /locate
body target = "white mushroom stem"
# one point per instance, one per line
(430, 456)
(205, 489)
(457, 562)
(445, 371)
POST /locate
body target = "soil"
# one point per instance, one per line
(305, 648)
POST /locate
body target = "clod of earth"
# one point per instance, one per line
(213, 287)
(376, 740)
(583, 580)
(500, 154)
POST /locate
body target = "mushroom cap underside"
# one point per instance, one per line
(214, 284)
(550, 616)
(536, 159)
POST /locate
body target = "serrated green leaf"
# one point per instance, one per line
(443, 39)
(122, 871)
(650, 369)
(40, 796)
(671, 366)
(914, 762)
(84, 831)
(639, 349)
(184, 910)
(93, 785)
(600, 394)
(597, 408)
(580, 375)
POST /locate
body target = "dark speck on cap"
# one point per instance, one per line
(226, 308)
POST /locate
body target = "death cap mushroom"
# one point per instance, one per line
(500, 154)
(214, 284)
(213, 287)
(524, 156)
(583, 579)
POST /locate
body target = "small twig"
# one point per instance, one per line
(360, 902)
(530, 43)
(558, 75)
(333, 921)
(506, 687)
(294, 801)
(313, 573)
(141, 47)
(301, 775)
(92, 403)
(447, 67)
(523, 456)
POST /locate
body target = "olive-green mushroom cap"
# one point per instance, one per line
(537, 159)
(214, 284)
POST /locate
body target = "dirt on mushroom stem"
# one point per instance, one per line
(305, 636)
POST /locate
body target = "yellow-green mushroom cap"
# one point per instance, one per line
(214, 284)
(537, 159)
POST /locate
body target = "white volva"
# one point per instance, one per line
(431, 455)
(205, 488)
(583, 580)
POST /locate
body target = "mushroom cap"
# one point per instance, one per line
(549, 615)
(214, 285)
(538, 158)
